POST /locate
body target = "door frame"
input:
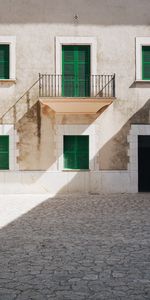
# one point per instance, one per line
(89, 41)
(136, 130)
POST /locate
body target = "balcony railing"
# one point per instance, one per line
(95, 86)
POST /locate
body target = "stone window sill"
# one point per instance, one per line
(76, 170)
(142, 81)
(7, 80)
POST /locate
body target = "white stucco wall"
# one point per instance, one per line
(35, 52)
(113, 24)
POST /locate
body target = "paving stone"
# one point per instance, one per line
(7, 297)
(31, 295)
(78, 248)
(90, 277)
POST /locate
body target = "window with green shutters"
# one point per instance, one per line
(146, 62)
(4, 61)
(76, 152)
(4, 152)
(76, 71)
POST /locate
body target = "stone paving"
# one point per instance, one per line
(93, 247)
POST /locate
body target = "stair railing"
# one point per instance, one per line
(13, 108)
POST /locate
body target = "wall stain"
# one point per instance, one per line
(38, 110)
(46, 109)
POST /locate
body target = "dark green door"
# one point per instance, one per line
(4, 152)
(76, 152)
(76, 71)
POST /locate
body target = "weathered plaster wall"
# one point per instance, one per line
(37, 139)
(115, 24)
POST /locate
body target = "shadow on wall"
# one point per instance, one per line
(96, 12)
(110, 157)
(38, 151)
(118, 156)
(113, 155)
(39, 121)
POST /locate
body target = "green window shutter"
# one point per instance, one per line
(83, 58)
(69, 152)
(82, 152)
(76, 71)
(4, 152)
(76, 152)
(68, 71)
(4, 61)
(146, 62)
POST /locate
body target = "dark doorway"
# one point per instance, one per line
(144, 163)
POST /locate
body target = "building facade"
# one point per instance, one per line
(74, 96)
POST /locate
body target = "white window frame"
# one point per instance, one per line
(11, 41)
(140, 41)
(75, 130)
(13, 140)
(71, 40)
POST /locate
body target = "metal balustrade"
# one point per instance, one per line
(95, 86)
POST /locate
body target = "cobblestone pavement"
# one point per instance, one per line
(93, 247)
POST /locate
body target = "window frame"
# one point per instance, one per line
(69, 129)
(10, 131)
(11, 41)
(140, 42)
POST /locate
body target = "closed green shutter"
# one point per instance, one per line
(4, 152)
(76, 152)
(76, 71)
(146, 62)
(68, 71)
(82, 154)
(83, 58)
(4, 61)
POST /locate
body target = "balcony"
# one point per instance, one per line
(66, 94)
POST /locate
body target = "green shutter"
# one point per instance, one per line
(82, 152)
(76, 152)
(83, 58)
(146, 62)
(4, 61)
(4, 152)
(68, 71)
(76, 71)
